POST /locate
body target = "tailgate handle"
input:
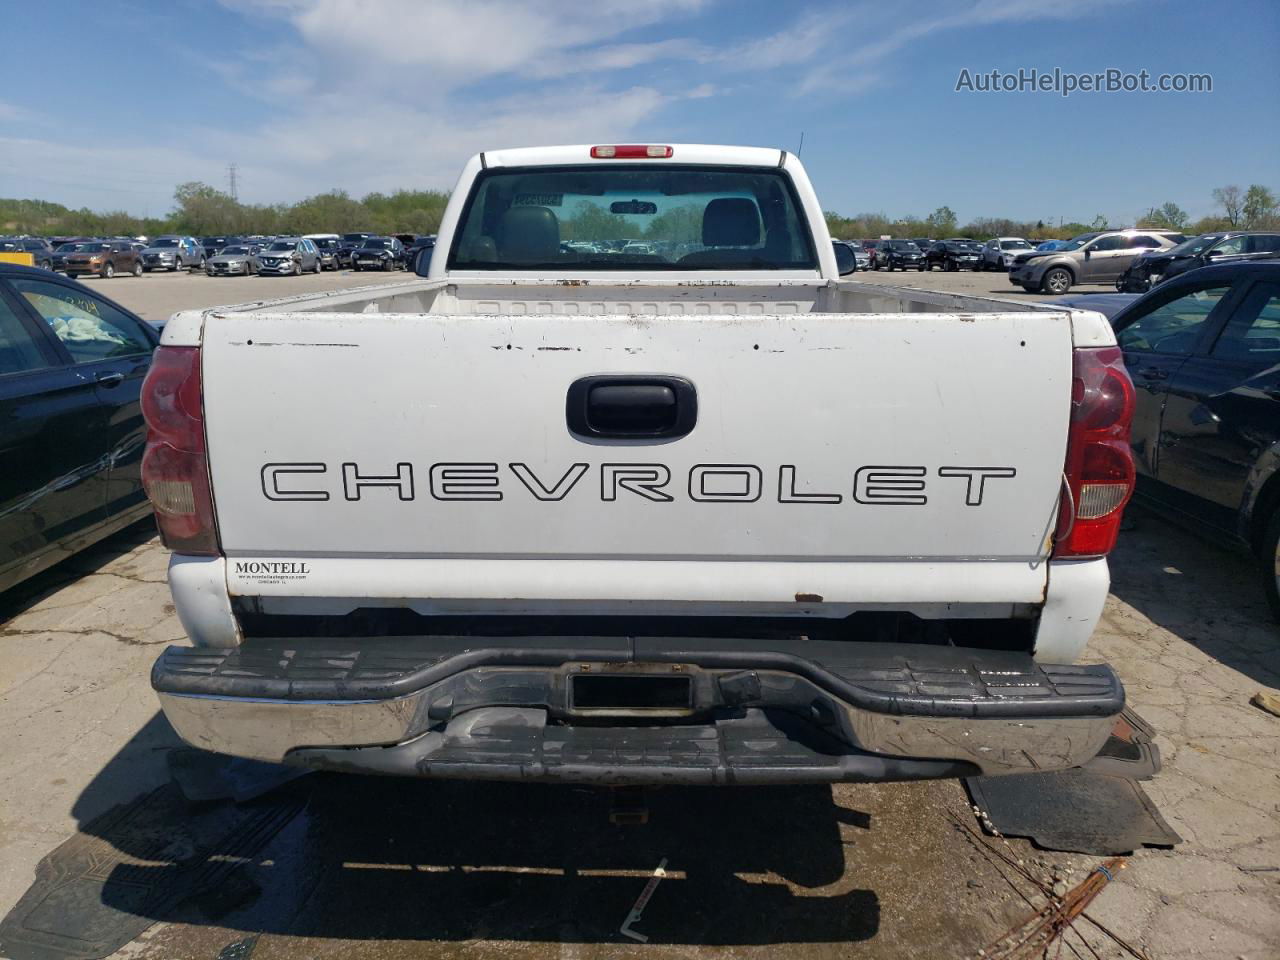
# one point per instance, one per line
(631, 407)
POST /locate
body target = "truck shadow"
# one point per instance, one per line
(365, 858)
(73, 567)
(1206, 594)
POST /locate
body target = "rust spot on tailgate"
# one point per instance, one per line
(808, 598)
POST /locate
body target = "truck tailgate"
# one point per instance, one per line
(821, 437)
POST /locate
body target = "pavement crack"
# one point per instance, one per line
(82, 632)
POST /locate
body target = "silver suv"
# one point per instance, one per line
(998, 252)
(288, 256)
(1089, 258)
(173, 253)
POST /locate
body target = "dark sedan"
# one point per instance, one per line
(378, 253)
(348, 245)
(71, 369)
(954, 255)
(1227, 247)
(897, 254)
(1204, 354)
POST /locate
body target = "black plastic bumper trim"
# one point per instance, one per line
(759, 747)
(880, 678)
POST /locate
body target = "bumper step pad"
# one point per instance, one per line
(909, 679)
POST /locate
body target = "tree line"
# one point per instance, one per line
(202, 210)
(1254, 208)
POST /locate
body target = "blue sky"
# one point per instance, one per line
(110, 105)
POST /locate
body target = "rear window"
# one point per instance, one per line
(633, 217)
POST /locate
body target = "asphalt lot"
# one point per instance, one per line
(157, 296)
(993, 283)
(389, 868)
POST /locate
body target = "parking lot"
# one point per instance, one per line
(157, 296)
(981, 283)
(425, 869)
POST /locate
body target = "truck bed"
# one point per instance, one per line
(526, 296)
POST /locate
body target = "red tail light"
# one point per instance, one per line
(631, 151)
(1099, 470)
(175, 471)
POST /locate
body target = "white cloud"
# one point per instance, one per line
(378, 94)
(860, 67)
(389, 146)
(454, 43)
(622, 56)
(793, 46)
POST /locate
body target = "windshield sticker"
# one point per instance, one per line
(538, 200)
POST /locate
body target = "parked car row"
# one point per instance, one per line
(957, 253)
(1134, 259)
(221, 255)
(1097, 257)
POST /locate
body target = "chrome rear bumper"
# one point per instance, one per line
(816, 712)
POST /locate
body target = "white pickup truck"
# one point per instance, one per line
(631, 487)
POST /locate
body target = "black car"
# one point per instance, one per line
(1204, 354)
(71, 369)
(1225, 247)
(378, 253)
(897, 254)
(348, 245)
(39, 248)
(215, 245)
(954, 255)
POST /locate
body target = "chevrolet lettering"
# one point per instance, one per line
(706, 483)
